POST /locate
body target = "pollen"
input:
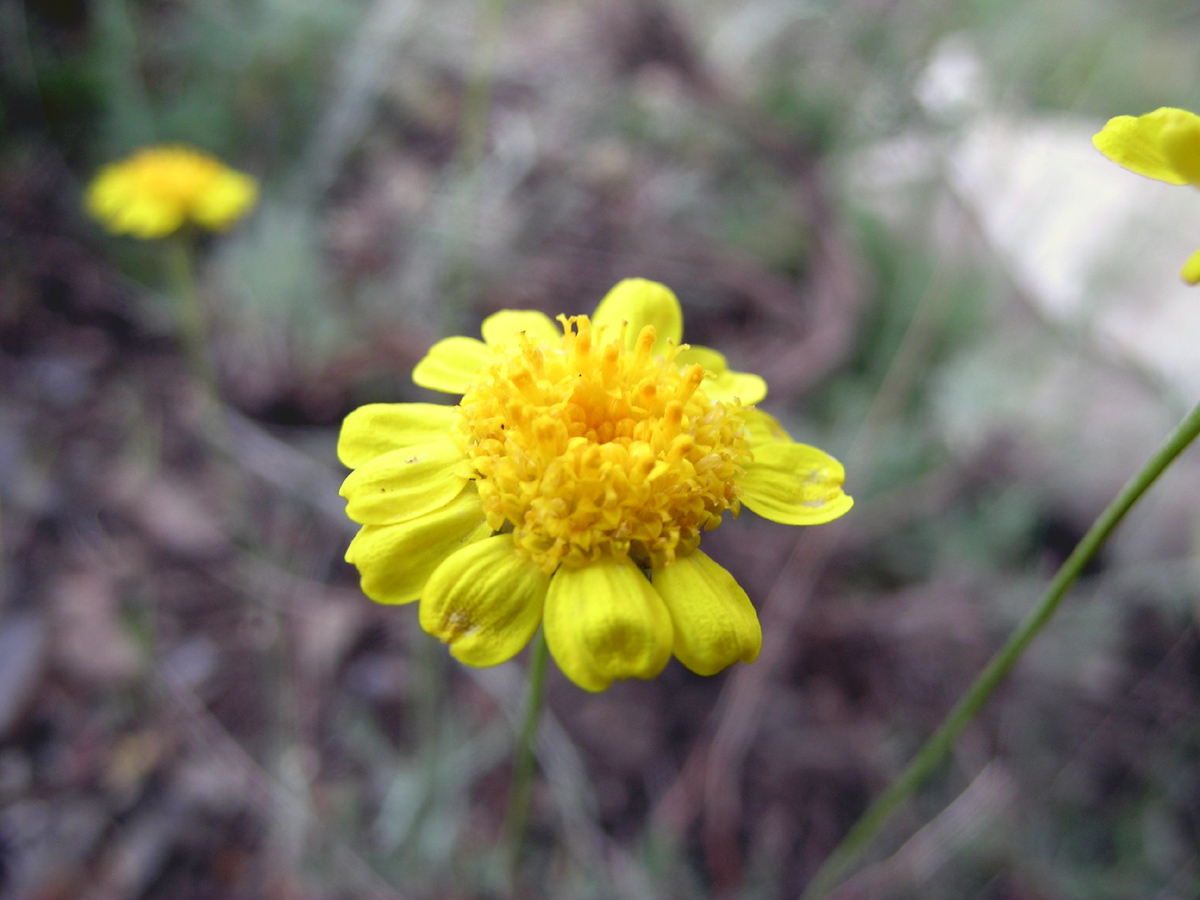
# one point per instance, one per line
(585, 450)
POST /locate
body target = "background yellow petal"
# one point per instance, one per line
(378, 428)
(794, 484)
(451, 365)
(1191, 269)
(1137, 143)
(640, 302)
(715, 623)
(114, 200)
(404, 484)
(148, 218)
(605, 621)
(1181, 144)
(395, 561)
(108, 192)
(484, 601)
(226, 199)
(504, 326)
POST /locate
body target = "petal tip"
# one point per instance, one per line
(1190, 273)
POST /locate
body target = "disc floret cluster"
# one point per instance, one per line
(588, 451)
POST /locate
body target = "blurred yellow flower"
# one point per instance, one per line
(154, 192)
(571, 485)
(1164, 145)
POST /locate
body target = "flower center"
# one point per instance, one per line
(588, 450)
(175, 175)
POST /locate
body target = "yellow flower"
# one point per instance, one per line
(154, 192)
(1163, 145)
(580, 460)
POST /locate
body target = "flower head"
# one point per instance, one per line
(154, 192)
(1163, 145)
(571, 486)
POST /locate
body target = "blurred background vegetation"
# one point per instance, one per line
(889, 208)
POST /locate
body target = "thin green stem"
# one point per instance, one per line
(193, 330)
(522, 779)
(477, 100)
(939, 744)
(459, 286)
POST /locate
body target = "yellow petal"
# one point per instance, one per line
(147, 218)
(721, 383)
(1181, 144)
(764, 428)
(395, 561)
(404, 484)
(117, 201)
(502, 327)
(1141, 144)
(484, 601)
(228, 197)
(640, 302)
(107, 194)
(712, 361)
(794, 484)
(377, 428)
(744, 386)
(715, 623)
(452, 364)
(605, 621)
(1191, 269)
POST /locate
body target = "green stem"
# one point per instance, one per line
(459, 286)
(522, 779)
(477, 99)
(193, 331)
(939, 744)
